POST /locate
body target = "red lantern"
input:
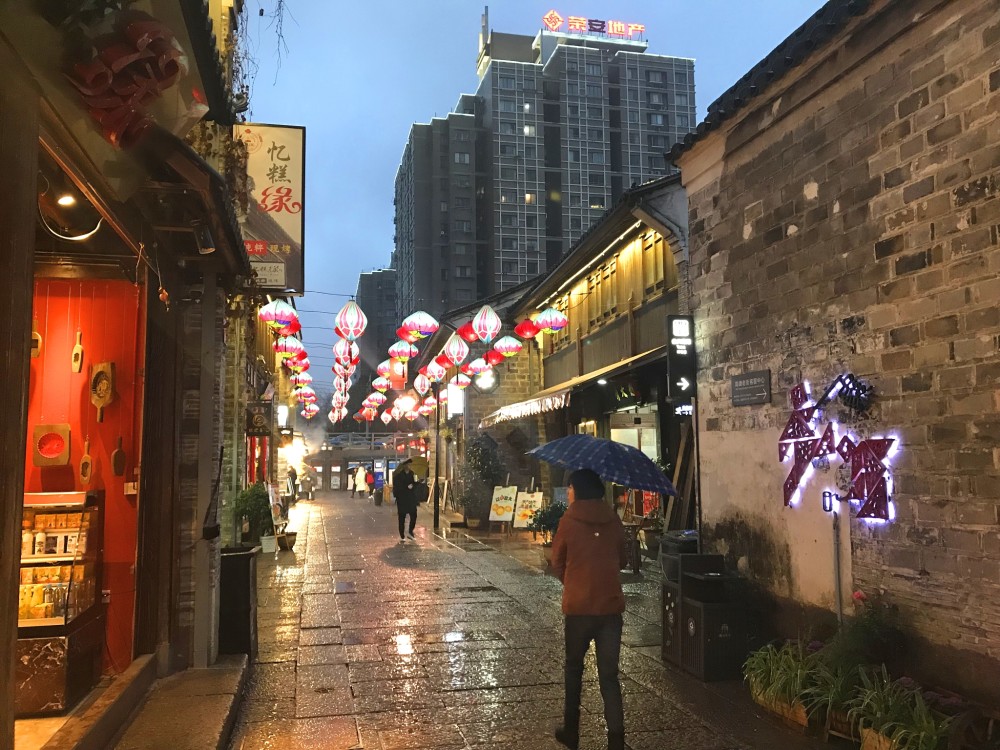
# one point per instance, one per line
(494, 357)
(443, 361)
(425, 411)
(406, 335)
(468, 333)
(486, 324)
(357, 418)
(526, 329)
(306, 395)
(350, 322)
(456, 350)
(309, 411)
(291, 329)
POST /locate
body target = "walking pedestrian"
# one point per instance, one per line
(370, 482)
(350, 481)
(587, 554)
(403, 484)
(359, 481)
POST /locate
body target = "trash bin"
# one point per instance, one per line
(238, 601)
(673, 544)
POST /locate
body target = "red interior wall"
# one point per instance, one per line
(107, 313)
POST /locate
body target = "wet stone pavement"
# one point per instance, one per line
(448, 643)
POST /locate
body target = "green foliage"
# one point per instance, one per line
(897, 709)
(481, 471)
(254, 505)
(870, 637)
(779, 673)
(546, 520)
(830, 687)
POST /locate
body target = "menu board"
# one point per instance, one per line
(502, 507)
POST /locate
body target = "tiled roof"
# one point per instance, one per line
(809, 37)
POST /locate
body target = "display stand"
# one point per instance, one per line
(60, 627)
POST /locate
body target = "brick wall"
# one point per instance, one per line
(849, 220)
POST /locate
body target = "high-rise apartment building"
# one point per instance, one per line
(560, 126)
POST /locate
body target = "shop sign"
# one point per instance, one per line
(260, 417)
(276, 217)
(682, 366)
(554, 21)
(528, 503)
(751, 388)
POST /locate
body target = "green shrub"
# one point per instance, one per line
(779, 673)
(254, 505)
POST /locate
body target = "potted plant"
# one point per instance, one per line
(828, 695)
(893, 715)
(778, 677)
(481, 471)
(252, 513)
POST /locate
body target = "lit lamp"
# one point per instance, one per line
(485, 381)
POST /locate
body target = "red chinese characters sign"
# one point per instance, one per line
(555, 22)
(276, 219)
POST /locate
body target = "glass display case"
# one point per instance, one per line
(60, 623)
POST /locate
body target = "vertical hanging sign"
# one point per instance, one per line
(276, 215)
(682, 367)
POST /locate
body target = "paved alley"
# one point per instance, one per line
(448, 643)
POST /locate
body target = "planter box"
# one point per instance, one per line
(839, 725)
(792, 713)
(268, 545)
(872, 740)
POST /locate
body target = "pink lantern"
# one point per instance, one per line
(277, 314)
(461, 381)
(486, 324)
(443, 397)
(508, 346)
(287, 346)
(381, 384)
(395, 412)
(425, 411)
(436, 371)
(403, 351)
(306, 395)
(430, 401)
(479, 365)
(333, 416)
(456, 350)
(386, 417)
(377, 398)
(411, 415)
(351, 322)
(384, 367)
(339, 400)
(346, 353)
(421, 384)
(341, 385)
(407, 336)
(300, 378)
(551, 320)
(309, 411)
(297, 365)
(420, 324)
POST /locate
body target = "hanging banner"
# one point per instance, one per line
(527, 504)
(502, 507)
(276, 159)
(259, 418)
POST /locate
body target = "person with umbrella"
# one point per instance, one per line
(588, 552)
(403, 489)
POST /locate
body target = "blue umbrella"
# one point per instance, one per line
(612, 461)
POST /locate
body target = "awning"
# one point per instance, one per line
(557, 397)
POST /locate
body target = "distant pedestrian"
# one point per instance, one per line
(370, 481)
(587, 554)
(350, 482)
(359, 481)
(403, 489)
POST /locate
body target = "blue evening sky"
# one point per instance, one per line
(357, 75)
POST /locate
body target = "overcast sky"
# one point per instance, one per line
(357, 75)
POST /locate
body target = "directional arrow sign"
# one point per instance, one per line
(684, 383)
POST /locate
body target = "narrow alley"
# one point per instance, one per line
(448, 642)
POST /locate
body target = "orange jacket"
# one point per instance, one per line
(587, 554)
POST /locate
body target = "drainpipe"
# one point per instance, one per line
(836, 568)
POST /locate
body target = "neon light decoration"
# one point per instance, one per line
(553, 21)
(350, 322)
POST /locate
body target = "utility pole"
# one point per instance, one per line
(436, 388)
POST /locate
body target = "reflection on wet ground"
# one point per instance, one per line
(369, 643)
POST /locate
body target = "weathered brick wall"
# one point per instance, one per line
(854, 226)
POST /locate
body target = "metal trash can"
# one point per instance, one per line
(673, 544)
(238, 601)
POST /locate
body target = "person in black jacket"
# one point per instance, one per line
(403, 483)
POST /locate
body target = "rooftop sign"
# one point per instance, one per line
(555, 22)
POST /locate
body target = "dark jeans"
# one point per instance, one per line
(606, 633)
(402, 510)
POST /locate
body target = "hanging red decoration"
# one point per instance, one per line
(346, 353)
(468, 333)
(443, 360)
(350, 322)
(377, 398)
(526, 329)
(407, 335)
(456, 350)
(291, 329)
(421, 384)
(460, 381)
(358, 418)
(309, 410)
(494, 357)
(306, 395)
(300, 378)
(443, 396)
(486, 324)
(551, 320)
(339, 399)
(296, 364)
(277, 314)
(403, 351)
(430, 401)
(341, 385)
(287, 346)
(508, 346)
(380, 384)
(395, 412)
(420, 324)
(425, 411)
